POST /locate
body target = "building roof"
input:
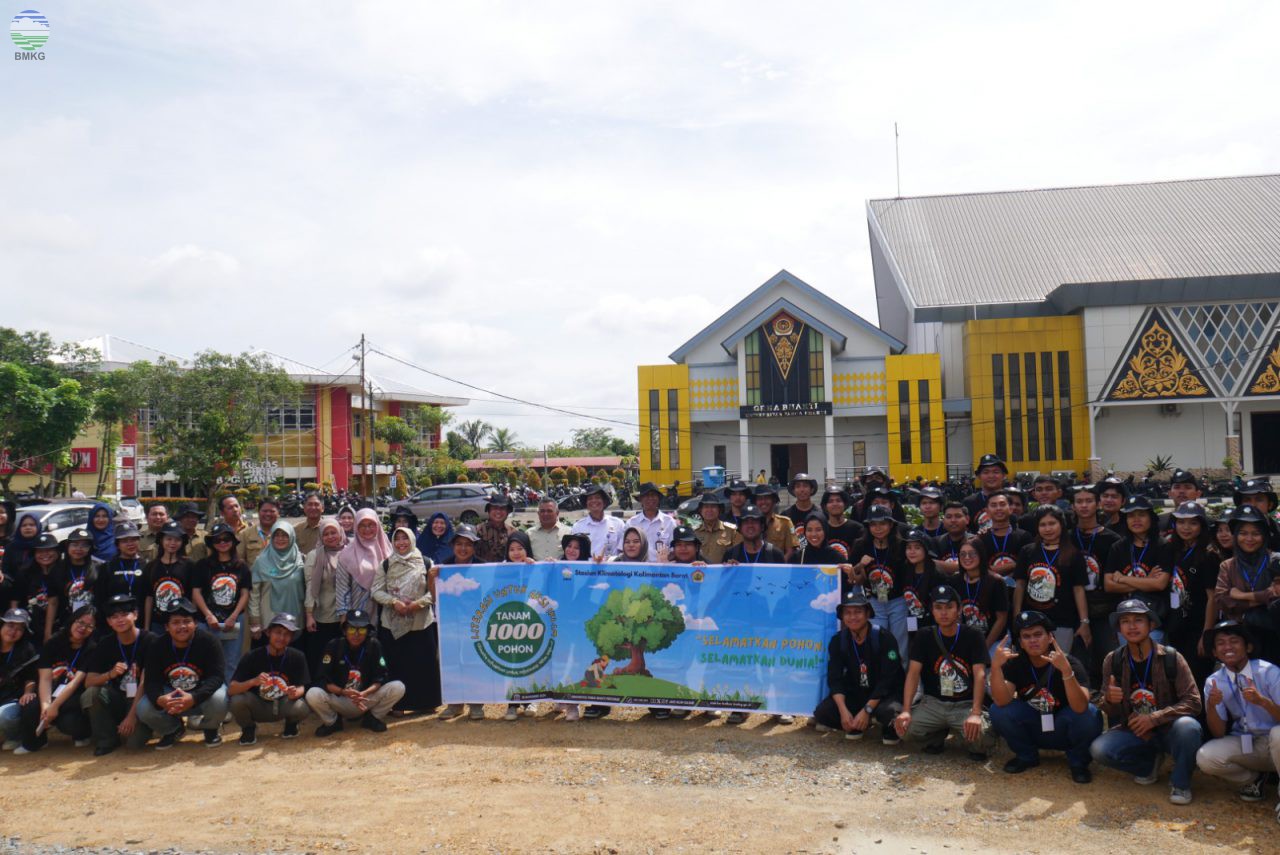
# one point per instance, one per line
(550, 463)
(732, 326)
(1020, 247)
(119, 352)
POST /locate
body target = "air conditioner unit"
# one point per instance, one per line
(1170, 409)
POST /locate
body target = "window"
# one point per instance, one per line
(1015, 404)
(817, 384)
(860, 455)
(904, 420)
(673, 427)
(146, 419)
(926, 439)
(1064, 403)
(997, 402)
(752, 347)
(1046, 406)
(291, 417)
(720, 456)
(357, 424)
(1226, 335)
(1033, 409)
(655, 431)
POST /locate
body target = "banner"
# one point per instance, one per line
(744, 637)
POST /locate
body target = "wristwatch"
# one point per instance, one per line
(1084, 621)
(868, 709)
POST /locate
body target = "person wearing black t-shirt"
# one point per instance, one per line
(1112, 494)
(1095, 541)
(930, 503)
(40, 587)
(1051, 577)
(991, 473)
(182, 677)
(123, 574)
(75, 576)
(918, 579)
(18, 674)
(864, 674)
(803, 487)
(813, 548)
(1041, 699)
(1138, 567)
(221, 582)
(353, 680)
(955, 529)
(115, 672)
(879, 565)
(950, 664)
(64, 660)
(753, 549)
(1193, 576)
(270, 682)
(984, 597)
(168, 575)
(842, 532)
(1002, 540)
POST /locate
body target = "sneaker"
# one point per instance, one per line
(661, 714)
(785, 719)
(1152, 776)
(1081, 775)
(854, 735)
(22, 749)
(290, 730)
(103, 750)
(934, 748)
(595, 711)
(1253, 792)
(1179, 797)
(10, 745)
(572, 713)
(329, 729)
(212, 738)
(170, 739)
(819, 727)
(889, 736)
(736, 718)
(249, 734)
(530, 710)
(681, 713)
(512, 713)
(83, 743)
(476, 712)
(451, 711)
(1017, 766)
(371, 722)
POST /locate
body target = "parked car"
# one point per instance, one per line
(60, 518)
(131, 509)
(689, 507)
(462, 502)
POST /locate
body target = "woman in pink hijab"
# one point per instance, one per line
(360, 559)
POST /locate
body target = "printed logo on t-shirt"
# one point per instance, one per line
(973, 616)
(1143, 700)
(166, 592)
(915, 608)
(953, 675)
(273, 688)
(881, 579)
(62, 672)
(77, 595)
(38, 600)
(224, 586)
(840, 547)
(1003, 563)
(1042, 583)
(984, 522)
(1042, 700)
(1092, 569)
(1178, 585)
(353, 679)
(182, 676)
(1139, 570)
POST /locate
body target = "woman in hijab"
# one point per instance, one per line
(436, 540)
(321, 600)
(17, 552)
(401, 585)
(363, 555)
(8, 583)
(279, 582)
(102, 527)
(347, 519)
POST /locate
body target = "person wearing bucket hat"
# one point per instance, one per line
(879, 564)
(1040, 698)
(948, 663)
(778, 530)
(753, 548)
(76, 576)
(270, 683)
(991, 474)
(1151, 698)
(864, 674)
(1249, 581)
(921, 576)
(183, 680)
(168, 575)
(955, 531)
(62, 667)
(814, 548)
(604, 530)
(1000, 538)
(494, 531)
(655, 523)
(1183, 487)
(220, 585)
(1193, 575)
(353, 680)
(39, 587)
(115, 671)
(1051, 577)
(124, 573)
(1138, 567)
(1258, 493)
(738, 494)
(716, 536)
(18, 674)
(685, 546)
(803, 487)
(464, 554)
(931, 501)
(884, 497)
(189, 517)
(1242, 711)
(1113, 492)
(842, 532)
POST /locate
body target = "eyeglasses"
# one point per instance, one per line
(220, 540)
(84, 626)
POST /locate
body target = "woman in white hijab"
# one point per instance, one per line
(402, 587)
(363, 555)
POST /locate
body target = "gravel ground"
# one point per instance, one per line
(620, 784)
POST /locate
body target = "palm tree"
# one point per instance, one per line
(502, 439)
(474, 432)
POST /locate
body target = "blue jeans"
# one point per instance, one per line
(213, 710)
(1018, 723)
(11, 720)
(893, 617)
(1120, 749)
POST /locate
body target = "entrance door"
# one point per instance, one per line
(1266, 448)
(788, 459)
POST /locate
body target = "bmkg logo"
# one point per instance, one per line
(29, 31)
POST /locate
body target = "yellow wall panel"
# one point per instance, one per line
(913, 368)
(665, 378)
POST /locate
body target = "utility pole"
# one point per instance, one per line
(364, 433)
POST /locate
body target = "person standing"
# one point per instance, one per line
(360, 559)
(1138, 568)
(279, 579)
(656, 524)
(803, 488)
(270, 682)
(1002, 541)
(753, 549)
(1193, 575)
(777, 529)
(115, 672)
(545, 536)
(40, 586)
(402, 587)
(1041, 698)
(716, 536)
(931, 502)
(842, 532)
(76, 575)
(1095, 541)
(321, 598)
(494, 531)
(864, 675)
(879, 563)
(992, 474)
(605, 531)
(189, 518)
(738, 494)
(103, 528)
(182, 678)
(149, 546)
(984, 597)
(221, 583)
(124, 573)
(250, 539)
(1050, 578)
(353, 681)
(308, 533)
(1249, 581)
(168, 574)
(1152, 700)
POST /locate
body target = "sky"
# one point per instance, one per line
(534, 198)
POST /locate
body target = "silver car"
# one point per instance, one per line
(462, 502)
(59, 519)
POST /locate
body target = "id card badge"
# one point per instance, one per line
(913, 623)
(1175, 600)
(129, 684)
(946, 686)
(883, 595)
(1046, 722)
(864, 679)
(1246, 743)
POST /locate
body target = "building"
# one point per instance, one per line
(317, 438)
(1085, 328)
(787, 381)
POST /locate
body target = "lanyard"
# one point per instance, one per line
(1183, 560)
(971, 595)
(1048, 683)
(71, 666)
(279, 669)
(128, 660)
(1262, 565)
(952, 649)
(75, 580)
(131, 574)
(185, 655)
(876, 552)
(1080, 540)
(746, 559)
(916, 580)
(1135, 558)
(1146, 675)
(1237, 694)
(359, 659)
(856, 655)
(1000, 547)
(1047, 559)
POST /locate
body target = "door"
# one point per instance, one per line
(799, 455)
(780, 462)
(1266, 450)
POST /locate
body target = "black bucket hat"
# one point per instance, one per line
(1255, 487)
(174, 529)
(1134, 607)
(46, 540)
(878, 513)
(750, 512)
(220, 530)
(467, 531)
(596, 490)
(1031, 617)
(181, 606)
(856, 597)
(357, 619)
(1190, 511)
(188, 508)
(930, 493)
(943, 594)
(120, 603)
(803, 478)
(764, 490)
(709, 499)
(1246, 514)
(583, 541)
(286, 620)
(738, 486)
(649, 487)
(684, 533)
(990, 460)
(1233, 627)
(1182, 476)
(497, 500)
(1138, 504)
(832, 492)
(80, 535)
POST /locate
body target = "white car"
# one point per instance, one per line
(131, 509)
(59, 519)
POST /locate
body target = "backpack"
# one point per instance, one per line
(1170, 663)
(873, 638)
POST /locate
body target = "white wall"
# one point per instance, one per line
(707, 435)
(1107, 331)
(960, 442)
(1128, 436)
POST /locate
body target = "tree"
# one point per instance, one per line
(533, 479)
(457, 447)
(599, 442)
(40, 415)
(119, 396)
(474, 433)
(633, 622)
(502, 439)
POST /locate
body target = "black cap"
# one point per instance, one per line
(944, 594)
(596, 490)
(80, 535)
(188, 508)
(467, 531)
(684, 533)
(21, 616)
(917, 535)
(1112, 483)
(873, 472)
(1233, 627)
(174, 529)
(584, 542)
(990, 460)
(1246, 514)
(709, 499)
(497, 500)
(182, 606)
(831, 493)
(121, 603)
(751, 512)
(1029, 618)
(286, 620)
(1182, 476)
(47, 540)
(126, 530)
(1134, 607)
(930, 493)
(737, 485)
(649, 487)
(803, 478)
(1254, 487)
(856, 596)
(878, 513)
(1134, 504)
(1189, 511)
(220, 530)
(764, 490)
(358, 618)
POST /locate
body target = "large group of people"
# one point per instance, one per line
(1086, 623)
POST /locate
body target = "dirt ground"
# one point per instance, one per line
(620, 784)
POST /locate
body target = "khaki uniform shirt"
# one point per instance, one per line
(779, 531)
(149, 545)
(717, 539)
(308, 536)
(546, 542)
(251, 542)
(492, 546)
(197, 549)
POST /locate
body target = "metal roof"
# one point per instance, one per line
(1018, 247)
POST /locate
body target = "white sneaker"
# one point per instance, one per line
(531, 710)
(23, 750)
(854, 735)
(786, 719)
(1179, 797)
(83, 743)
(822, 728)
(512, 713)
(476, 712)
(1152, 776)
(9, 745)
(572, 713)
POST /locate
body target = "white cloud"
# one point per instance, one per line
(826, 602)
(672, 592)
(702, 624)
(600, 586)
(543, 605)
(455, 585)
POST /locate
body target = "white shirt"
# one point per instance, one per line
(658, 530)
(606, 535)
(1243, 715)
